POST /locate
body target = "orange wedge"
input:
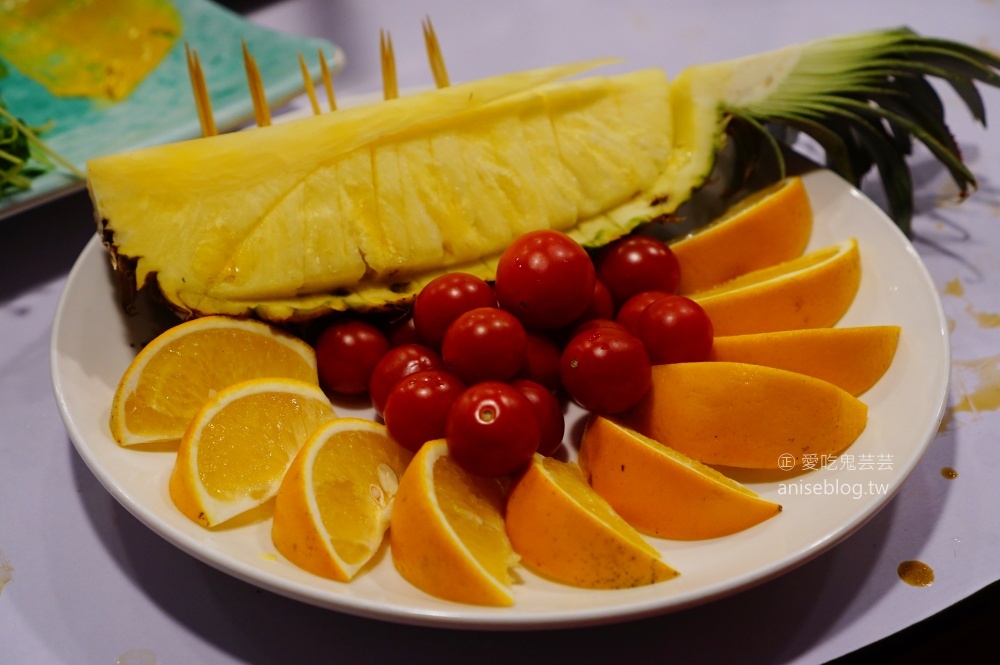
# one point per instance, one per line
(333, 506)
(173, 376)
(742, 415)
(852, 358)
(663, 493)
(239, 445)
(768, 227)
(812, 291)
(562, 529)
(447, 532)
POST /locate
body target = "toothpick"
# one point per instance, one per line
(434, 54)
(310, 90)
(389, 86)
(260, 109)
(327, 81)
(202, 102)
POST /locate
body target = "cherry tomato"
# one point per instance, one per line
(548, 412)
(632, 309)
(605, 370)
(492, 429)
(545, 278)
(637, 263)
(484, 344)
(444, 299)
(417, 407)
(541, 362)
(399, 362)
(598, 323)
(676, 330)
(602, 305)
(346, 354)
(403, 332)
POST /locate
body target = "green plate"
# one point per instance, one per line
(161, 109)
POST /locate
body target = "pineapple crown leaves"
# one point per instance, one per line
(864, 98)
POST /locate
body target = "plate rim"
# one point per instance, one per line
(468, 617)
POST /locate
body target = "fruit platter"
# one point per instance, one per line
(94, 341)
(308, 463)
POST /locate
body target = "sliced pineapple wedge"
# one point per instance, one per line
(376, 215)
(359, 209)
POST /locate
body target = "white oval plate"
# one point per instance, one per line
(93, 342)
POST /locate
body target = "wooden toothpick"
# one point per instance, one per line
(327, 81)
(260, 109)
(390, 88)
(434, 54)
(310, 90)
(202, 102)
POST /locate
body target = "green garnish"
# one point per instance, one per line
(23, 155)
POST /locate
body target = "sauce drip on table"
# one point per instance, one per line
(915, 573)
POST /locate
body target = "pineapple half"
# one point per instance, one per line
(360, 208)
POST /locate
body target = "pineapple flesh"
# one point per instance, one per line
(375, 218)
(360, 208)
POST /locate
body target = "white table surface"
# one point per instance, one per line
(82, 581)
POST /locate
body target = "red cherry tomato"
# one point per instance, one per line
(404, 332)
(605, 370)
(637, 263)
(484, 344)
(492, 429)
(602, 305)
(598, 323)
(676, 330)
(548, 412)
(541, 362)
(346, 354)
(632, 309)
(417, 407)
(545, 278)
(399, 362)
(444, 299)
